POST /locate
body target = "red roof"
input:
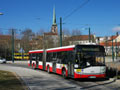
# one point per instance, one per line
(110, 44)
(5, 37)
(81, 37)
(113, 37)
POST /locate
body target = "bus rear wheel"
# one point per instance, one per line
(64, 73)
(48, 69)
(34, 67)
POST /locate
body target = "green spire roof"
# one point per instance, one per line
(54, 17)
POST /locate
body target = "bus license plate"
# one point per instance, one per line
(92, 77)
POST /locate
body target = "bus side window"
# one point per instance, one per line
(30, 56)
(78, 58)
(54, 56)
(64, 56)
(51, 56)
(58, 57)
(40, 57)
(34, 56)
(71, 56)
(37, 56)
(48, 57)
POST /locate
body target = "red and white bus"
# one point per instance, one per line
(76, 61)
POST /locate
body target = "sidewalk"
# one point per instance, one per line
(40, 80)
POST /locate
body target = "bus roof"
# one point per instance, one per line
(36, 51)
(64, 48)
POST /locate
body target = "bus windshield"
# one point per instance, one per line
(86, 59)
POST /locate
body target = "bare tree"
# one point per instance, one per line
(48, 42)
(66, 32)
(41, 32)
(76, 32)
(28, 35)
(5, 46)
(37, 42)
(66, 36)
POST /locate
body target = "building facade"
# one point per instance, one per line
(111, 44)
(81, 39)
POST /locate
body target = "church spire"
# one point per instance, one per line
(54, 17)
(54, 25)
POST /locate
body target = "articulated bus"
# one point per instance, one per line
(75, 61)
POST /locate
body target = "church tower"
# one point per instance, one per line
(54, 25)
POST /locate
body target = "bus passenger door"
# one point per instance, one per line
(71, 58)
(70, 69)
(37, 60)
(54, 66)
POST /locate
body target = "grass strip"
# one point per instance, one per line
(8, 81)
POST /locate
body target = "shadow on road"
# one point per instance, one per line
(92, 80)
(87, 87)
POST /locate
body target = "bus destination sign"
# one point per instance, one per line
(90, 49)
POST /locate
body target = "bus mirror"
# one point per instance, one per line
(88, 64)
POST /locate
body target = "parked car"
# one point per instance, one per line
(2, 60)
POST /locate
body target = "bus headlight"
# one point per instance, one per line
(76, 65)
(103, 70)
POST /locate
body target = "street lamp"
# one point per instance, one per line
(60, 31)
(12, 45)
(1, 13)
(89, 35)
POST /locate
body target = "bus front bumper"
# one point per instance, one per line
(89, 75)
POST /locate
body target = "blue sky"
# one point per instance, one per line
(100, 15)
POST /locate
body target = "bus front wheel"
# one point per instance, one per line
(34, 66)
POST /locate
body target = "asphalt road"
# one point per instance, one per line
(41, 80)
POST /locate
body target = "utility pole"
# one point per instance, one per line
(5, 53)
(112, 50)
(89, 35)
(13, 45)
(98, 40)
(60, 31)
(106, 39)
(44, 52)
(116, 48)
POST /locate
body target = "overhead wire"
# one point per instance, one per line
(76, 9)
